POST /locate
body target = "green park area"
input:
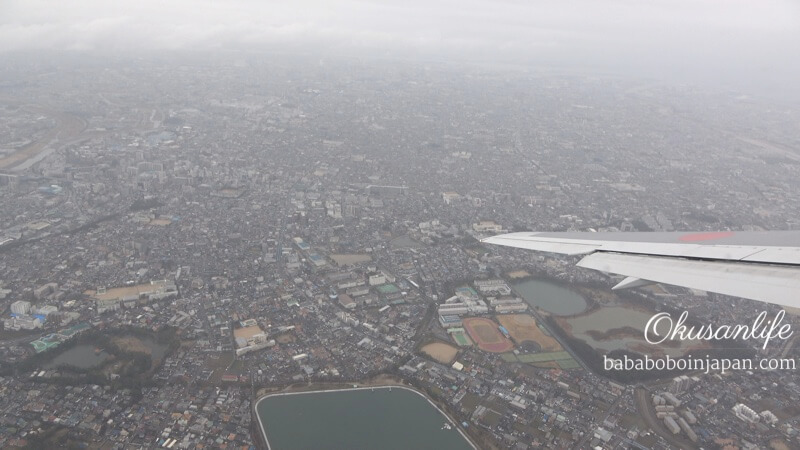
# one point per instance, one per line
(546, 359)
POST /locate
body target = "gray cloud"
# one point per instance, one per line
(703, 38)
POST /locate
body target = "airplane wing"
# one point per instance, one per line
(763, 266)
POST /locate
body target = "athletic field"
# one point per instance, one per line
(45, 343)
(523, 327)
(486, 334)
(461, 339)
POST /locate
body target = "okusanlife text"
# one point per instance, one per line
(760, 329)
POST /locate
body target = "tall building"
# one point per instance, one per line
(21, 307)
(376, 278)
(680, 384)
(745, 413)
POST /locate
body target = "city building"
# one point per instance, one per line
(21, 307)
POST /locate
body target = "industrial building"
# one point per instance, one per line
(44, 310)
(487, 226)
(346, 301)
(506, 309)
(453, 309)
(493, 286)
(130, 296)
(449, 321)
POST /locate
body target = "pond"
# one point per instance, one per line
(551, 297)
(83, 356)
(87, 356)
(380, 417)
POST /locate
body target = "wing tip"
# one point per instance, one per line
(505, 236)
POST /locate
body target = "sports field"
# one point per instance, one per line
(388, 289)
(523, 327)
(45, 343)
(461, 339)
(518, 274)
(485, 333)
(349, 259)
(71, 331)
(120, 292)
(444, 353)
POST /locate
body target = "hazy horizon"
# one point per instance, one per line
(740, 45)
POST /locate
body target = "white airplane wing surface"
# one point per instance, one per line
(763, 266)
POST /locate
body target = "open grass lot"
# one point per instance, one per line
(628, 421)
(567, 364)
(549, 360)
(237, 367)
(509, 357)
(779, 444)
(470, 402)
(544, 357)
(523, 327)
(218, 363)
(131, 344)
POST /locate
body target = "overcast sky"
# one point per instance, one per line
(748, 42)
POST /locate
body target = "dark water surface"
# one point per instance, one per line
(551, 297)
(366, 418)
